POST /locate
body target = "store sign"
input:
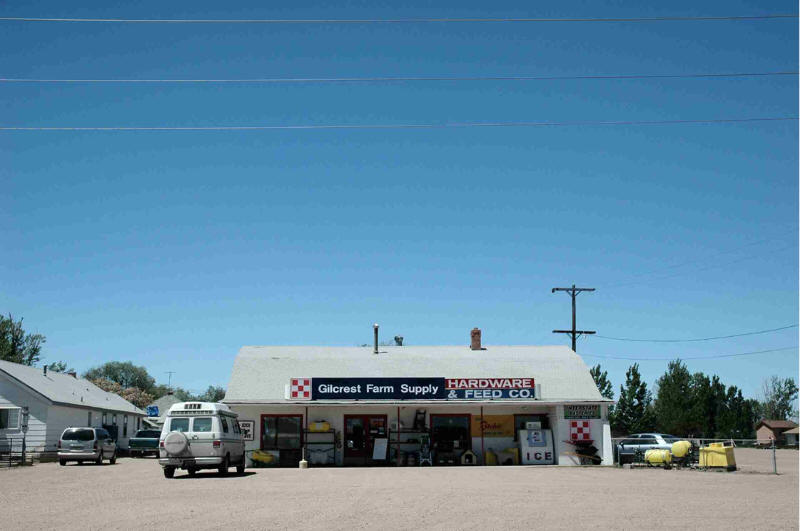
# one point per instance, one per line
(584, 411)
(492, 426)
(246, 427)
(411, 389)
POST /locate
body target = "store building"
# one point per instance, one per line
(398, 406)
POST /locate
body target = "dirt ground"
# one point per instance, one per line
(134, 494)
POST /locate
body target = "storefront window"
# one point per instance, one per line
(281, 432)
(520, 420)
(451, 433)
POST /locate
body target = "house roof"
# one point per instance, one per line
(794, 431)
(260, 373)
(777, 424)
(61, 388)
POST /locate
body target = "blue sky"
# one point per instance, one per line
(174, 249)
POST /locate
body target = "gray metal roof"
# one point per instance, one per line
(260, 374)
(62, 388)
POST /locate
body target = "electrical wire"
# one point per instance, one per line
(716, 356)
(757, 332)
(402, 20)
(393, 79)
(399, 126)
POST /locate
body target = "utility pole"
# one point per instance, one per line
(573, 292)
(169, 382)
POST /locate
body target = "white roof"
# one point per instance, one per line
(61, 388)
(192, 407)
(260, 374)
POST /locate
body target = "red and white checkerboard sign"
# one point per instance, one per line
(300, 389)
(579, 430)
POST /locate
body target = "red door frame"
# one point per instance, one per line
(469, 426)
(368, 440)
(261, 428)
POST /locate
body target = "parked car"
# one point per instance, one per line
(86, 444)
(144, 442)
(198, 435)
(638, 443)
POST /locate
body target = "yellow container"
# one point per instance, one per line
(681, 448)
(491, 458)
(319, 426)
(658, 457)
(717, 455)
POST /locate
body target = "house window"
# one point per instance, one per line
(281, 432)
(9, 418)
(138, 423)
(89, 418)
(125, 426)
(105, 418)
(114, 419)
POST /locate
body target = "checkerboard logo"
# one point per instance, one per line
(579, 430)
(300, 389)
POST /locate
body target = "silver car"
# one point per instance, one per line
(86, 444)
(632, 448)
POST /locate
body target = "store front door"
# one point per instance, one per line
(360, 432)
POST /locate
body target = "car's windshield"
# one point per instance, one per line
(202, 424)
(77, 434)
(179, 425)
(148, 434)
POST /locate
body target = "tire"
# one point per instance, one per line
(192, 471)
(169, 472)
(113, 459)
(134, 454)
(62, 462)
(240, 468)
(223, 468)
(80, 462)
(99, 460)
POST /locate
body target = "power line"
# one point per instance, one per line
(699, 338)
(694, 357)
(393, 79)
(452, 125)
(399, 20)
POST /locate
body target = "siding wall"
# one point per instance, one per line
(14, 394)
(62, 417)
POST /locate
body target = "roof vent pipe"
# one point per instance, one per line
(475, 339)
(375, 328)
(45, 370)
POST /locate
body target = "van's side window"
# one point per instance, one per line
(236, 427)
(224, 424)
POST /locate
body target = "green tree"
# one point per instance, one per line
(633, 412)
(59, 366)
(134, 395)
(674, 403)
(737, 416)
(125, 373)
(778, 396)
(16, 345)
(212, 394)
(602, 382)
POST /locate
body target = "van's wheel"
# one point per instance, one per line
(99, 460)
(62, 462)
(240, 467)
(113, 458)
(169, 472)
(223, 468)
(192, 471)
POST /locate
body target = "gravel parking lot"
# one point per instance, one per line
(133, 493)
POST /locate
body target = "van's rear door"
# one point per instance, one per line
(78, 440)
(202, 437)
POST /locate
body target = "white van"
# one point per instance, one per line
(200, 435)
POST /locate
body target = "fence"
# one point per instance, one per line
(11, 452)
(751, 455)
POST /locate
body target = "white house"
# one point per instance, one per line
(372, 406)
(56, 401)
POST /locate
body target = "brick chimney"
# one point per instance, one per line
(475, 339)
